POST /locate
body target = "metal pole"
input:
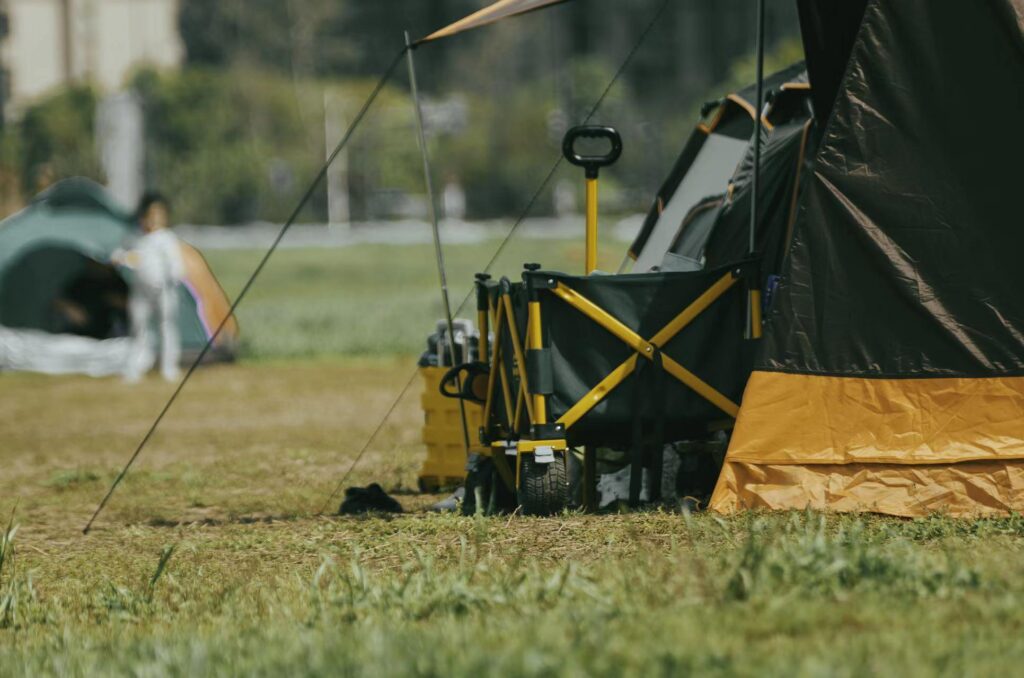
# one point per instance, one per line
(438, 251)
(337, 175)
(590, 257)
(757, 122)
(753, 298)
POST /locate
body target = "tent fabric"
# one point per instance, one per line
(713, 155)
(707, 174)
(899, 312)
(784, 141)
(879, 421)
(970, 489)
(37, 351)
(693, 235)
(829, 29)
(212, 304)
(53, 248)
(502, 9)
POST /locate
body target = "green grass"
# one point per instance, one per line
(369, 299)
(648, 594)
(213, 560)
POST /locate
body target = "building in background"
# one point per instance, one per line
(45, 44)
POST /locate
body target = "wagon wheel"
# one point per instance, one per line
(543, 488)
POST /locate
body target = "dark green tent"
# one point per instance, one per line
(891, 377)
(59, 248)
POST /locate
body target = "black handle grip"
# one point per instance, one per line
(592, 163)
(473, 379)
(449, 380)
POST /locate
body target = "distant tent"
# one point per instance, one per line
(62, 304)
(891, 378)
(891, 373)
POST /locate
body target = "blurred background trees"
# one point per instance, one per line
(236, 133)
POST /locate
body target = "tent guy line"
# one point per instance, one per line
(435, 228)
(252, 278)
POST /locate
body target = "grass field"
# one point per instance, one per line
(214, 559)
(372, 299)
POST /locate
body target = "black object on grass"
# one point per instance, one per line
(370, 499)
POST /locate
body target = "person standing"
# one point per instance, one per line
(156, 261)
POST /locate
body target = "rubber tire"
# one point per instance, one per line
(543, 488)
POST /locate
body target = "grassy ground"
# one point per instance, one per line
(213, 559)
(371, 299)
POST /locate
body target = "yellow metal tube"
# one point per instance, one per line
(598, 393)
(499, 366)
(702, 388)
(755, 314)
(506, 391)
(495, 369)
(522, 397)
(534, 339)
(517, 348)
(481, 321)
(520, 400)
(699, 305)
(604, 319)
(591, 247)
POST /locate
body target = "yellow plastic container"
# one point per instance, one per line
(445, 464)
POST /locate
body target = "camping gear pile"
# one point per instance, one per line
(63, 304)
(828, 278)
(443, 433)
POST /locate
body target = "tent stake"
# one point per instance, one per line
(438, 251)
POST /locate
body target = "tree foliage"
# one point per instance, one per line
(237, 134)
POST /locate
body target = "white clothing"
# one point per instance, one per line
(159, 267)
(159, 259)
(454, 201)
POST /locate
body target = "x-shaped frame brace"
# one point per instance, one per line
(646, 348)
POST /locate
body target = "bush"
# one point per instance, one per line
(58, 139)
(239, 145)
(233, 147)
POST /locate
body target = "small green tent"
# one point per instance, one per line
(57, 251)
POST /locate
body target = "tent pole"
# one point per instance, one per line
(438, 251)
(754, 292)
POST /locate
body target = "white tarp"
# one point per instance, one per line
(36, 351)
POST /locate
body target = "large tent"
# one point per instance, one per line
(62, 304)
(890, 375)
(890, 378)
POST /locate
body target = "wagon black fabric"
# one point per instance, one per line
(583, 353)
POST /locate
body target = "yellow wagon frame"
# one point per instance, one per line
(495, 315)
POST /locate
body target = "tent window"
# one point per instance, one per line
(696, 229)
(708, 175)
